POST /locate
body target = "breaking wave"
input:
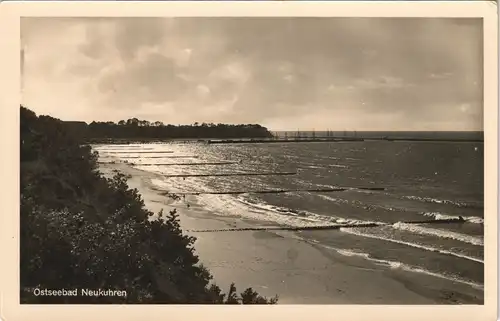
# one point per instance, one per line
(402, 266)
(443, 201)
(439, 233)
(441, 216)
(426, 248)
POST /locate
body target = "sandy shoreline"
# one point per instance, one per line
(299, 271)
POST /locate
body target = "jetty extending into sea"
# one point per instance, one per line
(306, 137)
(337, 139)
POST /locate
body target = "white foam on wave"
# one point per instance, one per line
(442, 201)
(314, 167)
(434, 215)
(349, 253)
(441, 216)
(426, 248)
(230, 205)
(359, 204)
(326, 220)
(338, 165)
(334, 199)
(417, 229)
(306, 215)
(400, 265)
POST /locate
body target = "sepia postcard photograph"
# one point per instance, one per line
(277, 159)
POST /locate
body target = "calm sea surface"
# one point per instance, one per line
(422, 181)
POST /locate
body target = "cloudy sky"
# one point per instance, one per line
(284, 73)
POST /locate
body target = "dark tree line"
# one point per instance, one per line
(81, 230)
(142, 129)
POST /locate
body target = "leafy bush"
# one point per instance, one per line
(81, 230)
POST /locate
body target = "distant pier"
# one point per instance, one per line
(281, 140)
(337, 140)
(299, 137)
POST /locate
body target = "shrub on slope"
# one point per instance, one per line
(81, 230)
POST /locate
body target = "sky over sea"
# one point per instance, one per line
(284, 73)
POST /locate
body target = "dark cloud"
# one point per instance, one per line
(416, 70)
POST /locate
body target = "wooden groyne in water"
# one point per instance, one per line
(128, 150)
(140, 152)
(279, 191)
(460, 219)
(326, 227)
(325, 190)
(145, 157)
(170, 164)
(233, 174)
(186, 164)
(292, 140)
(292, 228)
(339, 140)
(437, 140)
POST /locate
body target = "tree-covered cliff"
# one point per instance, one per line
(81, 230)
